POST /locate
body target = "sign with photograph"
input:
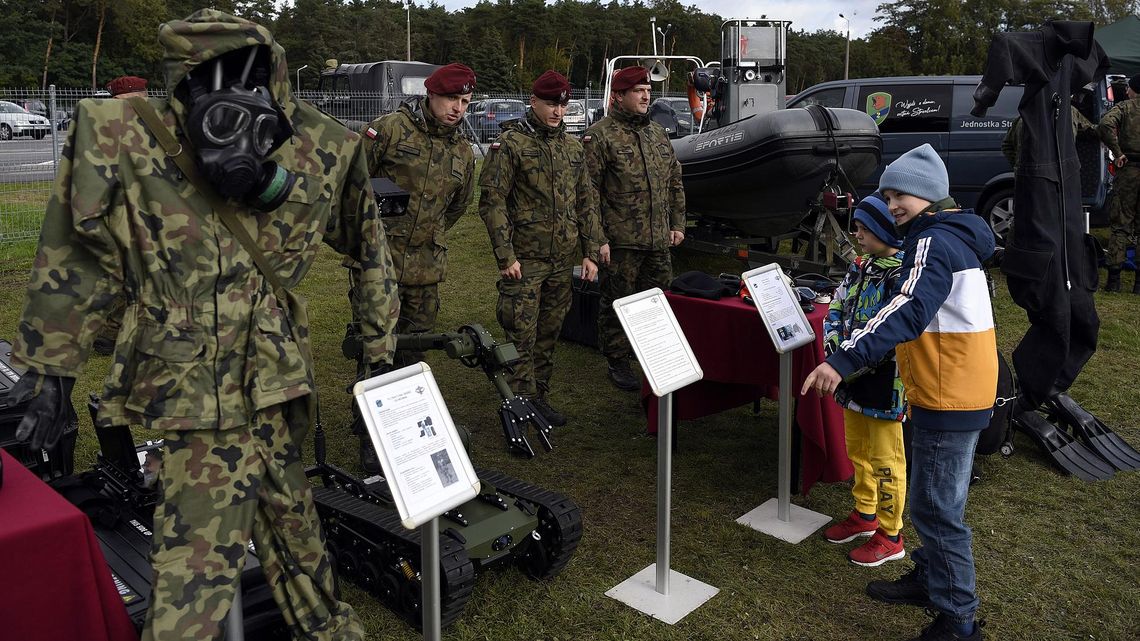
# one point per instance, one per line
(657, 340)
(779, 308)
(423, 458)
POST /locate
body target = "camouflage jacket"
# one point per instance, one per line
(204, 342)
(1119, 130)
(535, 195)
(434, 163)
(638, 179)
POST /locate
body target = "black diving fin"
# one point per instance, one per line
(1096, 435)
(1068, 454)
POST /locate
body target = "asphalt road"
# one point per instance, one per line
(26, 160)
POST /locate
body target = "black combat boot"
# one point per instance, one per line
(622, 375)
(1136, 284)
(369, 462)
(104, 346)
(908, 589)
(943, 629)
(1113, 282)
(556, 418)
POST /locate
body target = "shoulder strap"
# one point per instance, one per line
(176, 151)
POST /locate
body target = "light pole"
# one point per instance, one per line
(847, 56)
(408, 9)
(303, 67)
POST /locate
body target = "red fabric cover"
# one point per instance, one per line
(741, 365)
(54, 583)
(629, 77)
(451, 80)
(551, 86)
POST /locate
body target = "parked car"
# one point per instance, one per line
(486, 116)
(17, 121)
(913, 110)
(683, 113)
(575, 116)
(593, 111)
(37, 107)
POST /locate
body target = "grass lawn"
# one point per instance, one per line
(1057, 558)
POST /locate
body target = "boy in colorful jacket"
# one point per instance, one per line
(873, 402)
(941, 325)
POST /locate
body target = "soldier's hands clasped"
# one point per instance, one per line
(49, 409)
(514, 272)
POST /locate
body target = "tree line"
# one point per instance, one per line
(86, 43)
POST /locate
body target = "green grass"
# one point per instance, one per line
(1057, 558)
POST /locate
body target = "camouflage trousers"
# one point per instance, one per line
(531, 312)
(630, 271)
(419, 307)
(1123, 215)
(220, 489)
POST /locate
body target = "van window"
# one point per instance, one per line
(832, 97)
(919, 108)
(998, 117)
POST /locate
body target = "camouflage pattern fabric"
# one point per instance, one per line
(110, 331)
(1119, 130)
(531, 312)
(535, 196)
(220, 489)
(638, 179)
(630, 271)
(204, 342)
(434, 163)
(419, 307)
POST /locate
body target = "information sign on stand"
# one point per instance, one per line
(669, 365)
(789, 329)
(424, 461)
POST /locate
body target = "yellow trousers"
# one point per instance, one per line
(875, 447)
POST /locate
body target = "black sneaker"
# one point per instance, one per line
(369, 462)
(943, 629)
(623, 377)
(104, 346)
(909, 589)
(556, 418)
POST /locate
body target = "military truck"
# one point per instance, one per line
(357, 93)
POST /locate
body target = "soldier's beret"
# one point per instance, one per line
(126, 84)
(552, 86)
(1134, 82)
(451, 80)
(629, 77)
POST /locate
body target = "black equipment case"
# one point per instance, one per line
(581, 324)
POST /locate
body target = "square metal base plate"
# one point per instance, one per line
(800, 524)
(640, 593)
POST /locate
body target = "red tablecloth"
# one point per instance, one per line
(741, 366)
(54, 583)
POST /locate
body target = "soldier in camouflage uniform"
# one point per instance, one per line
(642, 205)
(1119, 130)
(421, 149)
(539, 207)
(208, 354)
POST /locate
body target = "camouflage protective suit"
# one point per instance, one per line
(207, 351)
(540, 210)
(1119, 130)
(434, 163)
(638, 178)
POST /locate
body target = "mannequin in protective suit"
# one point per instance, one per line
(214, 348)
(1050, 261)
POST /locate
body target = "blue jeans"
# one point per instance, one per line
(940, 465)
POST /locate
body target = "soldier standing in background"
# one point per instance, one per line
(539, 207)
(1119, 130)
(421, 149)
(207, 243)
(642, 204)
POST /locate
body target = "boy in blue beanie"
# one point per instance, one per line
(940, 324)
(873, 402)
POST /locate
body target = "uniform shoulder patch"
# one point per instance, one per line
(587, 138)
(371, 133)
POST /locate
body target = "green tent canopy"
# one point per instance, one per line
(1121, 41)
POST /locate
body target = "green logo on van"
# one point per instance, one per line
(879, 106)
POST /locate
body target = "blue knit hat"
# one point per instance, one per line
(873, 213)
(919, 172)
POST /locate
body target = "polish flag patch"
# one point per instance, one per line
(371, 133)
(495, 145)
(587, 138)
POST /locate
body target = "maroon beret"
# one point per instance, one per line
(629, 77)
(451, 80)
(552, 86)
(126, 84)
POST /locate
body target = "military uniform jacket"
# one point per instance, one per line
(435, 165)
(1119, 130)
(638, 179)
(204, 342)
(535, 196)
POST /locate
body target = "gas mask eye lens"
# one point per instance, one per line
(224, 122)
(264, 130)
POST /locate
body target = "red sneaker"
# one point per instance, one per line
(850, 529)
(877, 551)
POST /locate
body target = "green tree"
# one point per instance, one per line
(493, 67)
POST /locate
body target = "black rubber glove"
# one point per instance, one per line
(48, 412)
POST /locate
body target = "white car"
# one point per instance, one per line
(575, 116)
(17, 121)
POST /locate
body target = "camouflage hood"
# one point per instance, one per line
(207, 34)
(416, 108)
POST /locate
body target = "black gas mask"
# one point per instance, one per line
(234, 125)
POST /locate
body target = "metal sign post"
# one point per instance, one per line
(429, 579)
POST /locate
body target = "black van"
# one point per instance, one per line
(912, 110)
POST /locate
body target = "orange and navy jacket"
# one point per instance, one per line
(941, 320)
